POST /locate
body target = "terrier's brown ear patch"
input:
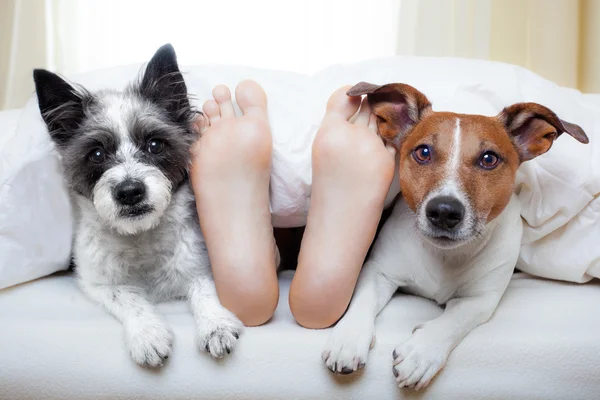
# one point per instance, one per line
(362, 88)
(533, 128)
(398, 107)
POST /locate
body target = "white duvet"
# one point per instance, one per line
(558, 191)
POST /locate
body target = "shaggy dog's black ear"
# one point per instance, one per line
(61, 104)
(163, 83)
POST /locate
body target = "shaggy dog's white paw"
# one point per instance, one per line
(418, 359)
(149, 342)
(347, 347)
(219, 335)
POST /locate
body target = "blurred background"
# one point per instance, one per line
(558, 39)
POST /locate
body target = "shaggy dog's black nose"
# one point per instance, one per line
(445, 212)
(129, 192)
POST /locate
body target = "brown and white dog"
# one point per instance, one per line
(457, 173)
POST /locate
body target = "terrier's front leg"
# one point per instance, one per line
(424, 353)
(148, 338)
(347, 347)
(218, 328)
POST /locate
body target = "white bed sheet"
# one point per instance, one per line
(542, 343)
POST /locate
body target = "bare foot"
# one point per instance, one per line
(230, 175)
(352, 172)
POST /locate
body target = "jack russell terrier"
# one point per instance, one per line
(457, 173)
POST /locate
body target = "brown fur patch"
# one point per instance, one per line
(488, 190)
(533, 128)
(398, 107)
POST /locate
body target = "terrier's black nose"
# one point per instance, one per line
(129, 192)
(444, 212)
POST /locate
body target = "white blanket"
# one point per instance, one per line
(559, 190)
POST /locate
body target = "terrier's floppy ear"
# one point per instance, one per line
(398, 107)
(163, 83)
(533, 128)
(60, 103)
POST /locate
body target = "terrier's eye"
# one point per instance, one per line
(155, 146)
(422, 154)
(97, 156)
(489, 160)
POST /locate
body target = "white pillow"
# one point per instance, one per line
(35, 214)
(559, 190)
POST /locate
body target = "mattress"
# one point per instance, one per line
(542, 343)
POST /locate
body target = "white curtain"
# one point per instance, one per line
(24, 44)
(71, 36)
(558, 39)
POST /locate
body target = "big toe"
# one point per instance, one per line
(251, 98)
(341, 106)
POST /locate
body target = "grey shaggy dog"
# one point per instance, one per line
(138, 239)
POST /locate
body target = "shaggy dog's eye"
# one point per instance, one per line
(422, 154)
(97, 156)
(155, 146)
(489, 160)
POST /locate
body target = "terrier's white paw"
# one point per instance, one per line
(149, 342)
(220, 334)
(347, 347)
(418, 359)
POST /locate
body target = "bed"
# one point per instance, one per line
(543, 342)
